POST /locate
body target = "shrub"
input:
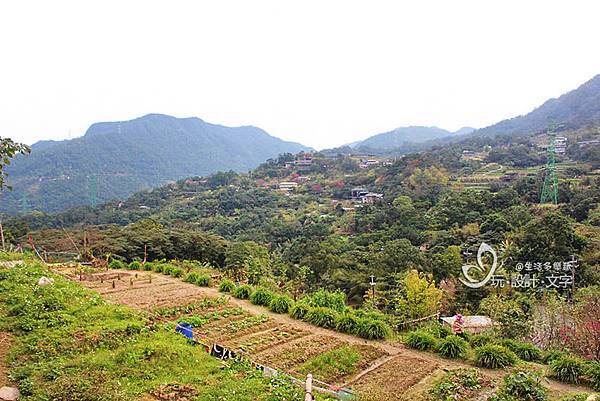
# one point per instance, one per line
(322, 317)
(148, 266)
(593, 372)
(226, 285)
(477, 340)
(202, 280)
(281, 304)
(158, 267)
(373, 329)
(243, 291)
(494, 356)
(167, 269)
(526, 351)
(191, 277)
(456, 385)
(117, 264)
(552, 355)
(452, 347)
(335, 300)
(300, 310)
(347, 323)
(567, 369)
(135, 265)
(438, 330)
(524, 386)
(421, 340)
(176, 272)
(261, 296)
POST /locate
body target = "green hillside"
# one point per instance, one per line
(115, 159)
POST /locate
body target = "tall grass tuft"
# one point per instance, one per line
(567, 369)
(226, 285)
(421, 340)
(281, 304)
(452, 347)
(493, 356)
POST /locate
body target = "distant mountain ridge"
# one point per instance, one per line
(576, 109)
(403, 136)
(115, 159)
(573, 110)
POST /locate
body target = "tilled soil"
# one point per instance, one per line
(392, 379)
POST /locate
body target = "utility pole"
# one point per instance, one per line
(372, 284)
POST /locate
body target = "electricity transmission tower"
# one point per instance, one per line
(550, 189)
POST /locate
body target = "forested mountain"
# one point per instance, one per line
(402, 136)
(115, 159)
(578, 108)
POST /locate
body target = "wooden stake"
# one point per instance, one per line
(308, 395)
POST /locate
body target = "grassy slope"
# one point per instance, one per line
(71, 345)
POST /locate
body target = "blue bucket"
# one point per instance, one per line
(185, 329)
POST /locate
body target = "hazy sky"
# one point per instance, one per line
(319, 72)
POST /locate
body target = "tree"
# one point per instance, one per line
(448, 263)
(239, 253)
(418, 296)
(395, 256)
(428, 183)
(512, 316)
(301, 282)
(8, 150)
(550, 238)
(583, 334)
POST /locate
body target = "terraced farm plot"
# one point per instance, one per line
(296, 352)
(342, 362)
(267, 339)
(394, 378)
(144, 290)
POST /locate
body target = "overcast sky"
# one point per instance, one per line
(322, 73)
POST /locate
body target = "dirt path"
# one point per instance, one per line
(400, 369)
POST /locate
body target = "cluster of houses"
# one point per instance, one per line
(588, 143)
(364, 196)
(364, 164)
(303, 160)
(560, 145)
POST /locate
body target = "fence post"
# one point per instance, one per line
(308, 396)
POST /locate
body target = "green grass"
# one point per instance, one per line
(10, 256)
(71, 345)
(341, 361)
